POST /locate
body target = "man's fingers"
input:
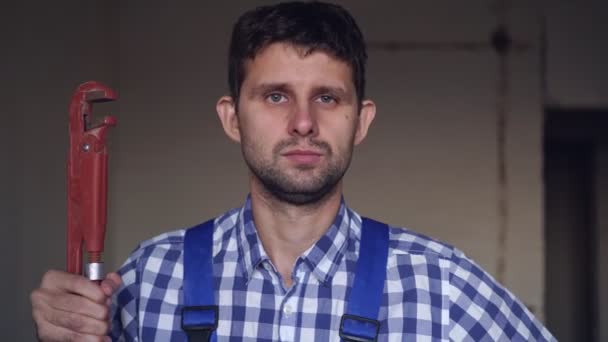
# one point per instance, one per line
(69, 307)
(51, 332)
(80, 305)
(46, 300)
(79, 323)
(111, 283)
(66, 282)
(57, 325)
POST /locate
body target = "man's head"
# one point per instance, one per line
(296, 104)
(313, 26)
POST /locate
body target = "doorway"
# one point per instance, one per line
(575, 226)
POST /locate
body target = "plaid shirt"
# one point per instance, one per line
(432, 291)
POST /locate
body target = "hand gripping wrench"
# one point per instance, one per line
(87, 180)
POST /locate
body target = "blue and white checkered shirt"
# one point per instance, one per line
(433, 292)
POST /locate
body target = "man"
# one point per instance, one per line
(284, 263)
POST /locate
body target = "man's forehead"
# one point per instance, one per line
(276, 65)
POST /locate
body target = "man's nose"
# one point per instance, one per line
(303, 121)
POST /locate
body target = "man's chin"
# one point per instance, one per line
(303, 192)
(302, 185)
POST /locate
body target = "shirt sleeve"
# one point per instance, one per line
(483, 310)
(125, 302)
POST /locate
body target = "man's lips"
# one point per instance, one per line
(303, 156)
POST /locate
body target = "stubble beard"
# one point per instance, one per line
(304, 187)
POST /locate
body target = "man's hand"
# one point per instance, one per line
(69, 307)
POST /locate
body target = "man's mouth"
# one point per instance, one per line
(299, 156)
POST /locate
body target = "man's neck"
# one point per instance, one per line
(288, 230)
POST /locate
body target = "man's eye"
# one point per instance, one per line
(276, 98)
(326, 99)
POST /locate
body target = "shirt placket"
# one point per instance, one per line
(290, 302)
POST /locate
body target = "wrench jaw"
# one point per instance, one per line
(87, 180)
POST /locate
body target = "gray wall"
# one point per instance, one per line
(52, 47)
(577, 75)
(430, 161)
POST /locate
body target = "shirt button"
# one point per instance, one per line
(287, 310)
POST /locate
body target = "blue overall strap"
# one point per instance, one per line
(360, 323)
(200, 312)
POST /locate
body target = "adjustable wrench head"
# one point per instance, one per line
(81, 106)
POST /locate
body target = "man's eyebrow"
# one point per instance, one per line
(338, 91)
(265, 88)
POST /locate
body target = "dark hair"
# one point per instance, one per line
(315, 26)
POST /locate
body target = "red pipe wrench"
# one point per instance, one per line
(87, 180)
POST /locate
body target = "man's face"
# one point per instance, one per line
(298, 120)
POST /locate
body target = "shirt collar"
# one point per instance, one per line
(322, 259)
(251, 251)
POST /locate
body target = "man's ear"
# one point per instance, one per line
(366, 116)
(226, 111)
